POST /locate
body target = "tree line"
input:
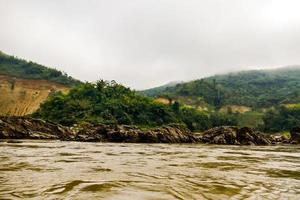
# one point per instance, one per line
(112, 103)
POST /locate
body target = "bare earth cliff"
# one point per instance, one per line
(20, 97)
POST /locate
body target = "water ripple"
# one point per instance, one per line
(71, 170)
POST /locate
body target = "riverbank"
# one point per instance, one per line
(28, 128)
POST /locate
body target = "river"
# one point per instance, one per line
(113, 171)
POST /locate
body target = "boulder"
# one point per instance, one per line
(234, 136)
(279, 138)
(247, 136)
(28, 128)
(125, 133)
(295, 135)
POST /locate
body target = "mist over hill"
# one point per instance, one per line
(254, 88)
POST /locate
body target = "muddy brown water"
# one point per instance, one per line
(113, 171)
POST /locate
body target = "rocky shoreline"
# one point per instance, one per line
(28, 128)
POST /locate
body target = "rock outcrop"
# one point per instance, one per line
(295, 135)
(28, 128)
(125, 133)
(234, 136)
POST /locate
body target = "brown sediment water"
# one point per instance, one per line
(74, 170)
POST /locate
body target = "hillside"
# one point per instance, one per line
(156, 90)
(25, 85)
(265, 99)
(23, 96)
(112, 103)
(255, 89)
(19, 68)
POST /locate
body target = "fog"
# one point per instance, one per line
(146, 43)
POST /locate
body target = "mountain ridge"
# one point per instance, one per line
(253, 88)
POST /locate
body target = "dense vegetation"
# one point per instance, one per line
(272, 95)
(112, 103)
(282, 118)
(256, 89)
(10, 65)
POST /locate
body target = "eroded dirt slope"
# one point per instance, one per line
(21, 96)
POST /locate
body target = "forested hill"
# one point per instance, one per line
(153, 91)
(255, 88)
(19, 68)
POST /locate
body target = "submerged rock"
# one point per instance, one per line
(234, 136)
(14, 141)
(28, 128)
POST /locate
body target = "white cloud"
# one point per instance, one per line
(145, 43)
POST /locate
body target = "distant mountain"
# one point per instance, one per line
(25, 85)
(156, 90)
(255, 88)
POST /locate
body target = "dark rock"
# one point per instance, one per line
(28, 128)
(249, 136)
(279, 138)
(121, 133)
(295, 135)
(14, 141)
(234, 136)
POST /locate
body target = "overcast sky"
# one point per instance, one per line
(146, 43)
